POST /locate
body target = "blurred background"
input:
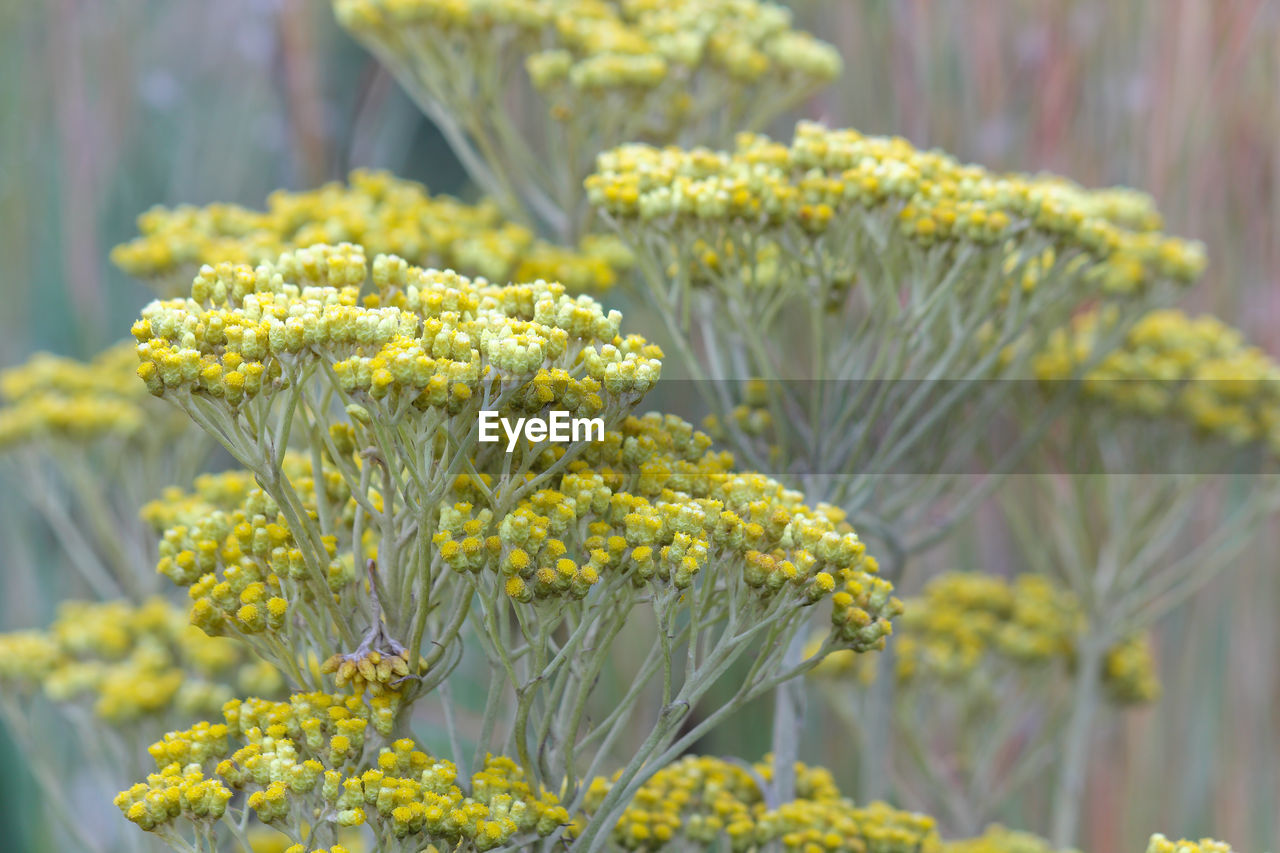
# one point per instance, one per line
(111, 106)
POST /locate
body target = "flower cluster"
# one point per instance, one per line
(650, 505)
(893, 264)
(1160, 844)
(425, 338)
(607, 72)
(90, 445)
(621, 45)
(966, 620)
(326, 760)
(53, 397)
(391, 513)
(827, 181)
(130, 662)
(999, 839)
(1176, 368)
(382, 213)
(701, 803)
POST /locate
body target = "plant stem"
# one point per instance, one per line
(1075, 759)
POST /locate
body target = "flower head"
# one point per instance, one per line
(381, 213)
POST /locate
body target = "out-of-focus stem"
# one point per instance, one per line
(1075, 758)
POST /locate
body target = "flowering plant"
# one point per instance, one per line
(404, 630)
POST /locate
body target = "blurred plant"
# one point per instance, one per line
(422, 533)
(527, 92)
(984, 668)
(998, 839)
(1183, 410)
(1178, 99)
(705, 803)
(1160, 844)
(90, 446)
(110, 673)
(375, 210)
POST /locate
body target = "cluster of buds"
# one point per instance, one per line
(581, 49)
(130, 663)
(60, 398)
(228, 543)
(644, 510)
(375, 210)
(605, 73)
(429, 338)
(701, 803)
(317, 755)
(965, 621)
(999, 839)
(1160, 844)
(1171, 367)
(972, 271)
(829, 187)
(371, 670)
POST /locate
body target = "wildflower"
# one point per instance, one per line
(65, 427)
(708, 802)
(391, 532)
(1160, 844)
(595, 67)
(278, 754)
(964, 621)
(52, 398)
(381, 213)
(1175, 368)
(129, 663)
(768, 242)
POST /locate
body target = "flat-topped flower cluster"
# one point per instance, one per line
(376, 210)
(1177, 368)
(589, 75)
(130, 664)
(53, 398)
(322, 756)
(764, 204)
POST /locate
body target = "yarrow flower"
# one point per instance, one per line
(603, 73)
